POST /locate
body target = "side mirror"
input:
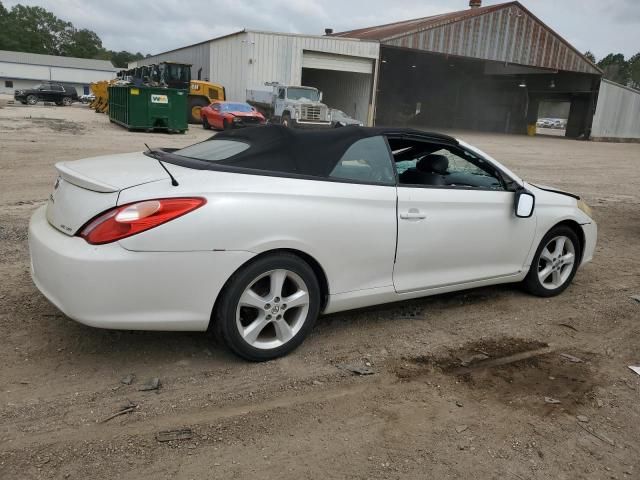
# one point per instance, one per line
(320, 96)
(525, 203)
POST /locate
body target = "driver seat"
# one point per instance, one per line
(430, 170)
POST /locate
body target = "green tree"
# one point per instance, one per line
(615, 68)
(122, 58)
(83, 44)
(590, 56)
(36, 30)
(634, 70)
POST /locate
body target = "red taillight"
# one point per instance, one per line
(127, 220)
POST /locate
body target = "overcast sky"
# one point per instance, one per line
(154, 26)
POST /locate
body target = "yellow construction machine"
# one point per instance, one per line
(169, 74)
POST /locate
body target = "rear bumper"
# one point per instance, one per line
(106, 286)
(590, 231)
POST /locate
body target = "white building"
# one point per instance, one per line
(344, 69)
(19, 70)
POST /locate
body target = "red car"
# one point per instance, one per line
(224, 115)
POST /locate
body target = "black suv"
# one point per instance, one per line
(47, 92)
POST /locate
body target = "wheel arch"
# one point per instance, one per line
(577, 229)
(309, 259)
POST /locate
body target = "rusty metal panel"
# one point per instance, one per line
(504, 33)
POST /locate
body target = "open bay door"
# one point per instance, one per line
(346, 81)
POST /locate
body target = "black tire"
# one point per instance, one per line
(286, 120)
(226, 125)
(195, 105)
(532, 283)
(67, 101)
(205, 123)
(32, 99)
(225, 324)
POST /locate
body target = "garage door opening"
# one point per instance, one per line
(346, 82)
(552, 118)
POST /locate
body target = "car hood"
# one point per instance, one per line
(555, 190)
(245, 114)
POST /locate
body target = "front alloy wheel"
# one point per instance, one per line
(32, 99)
(555, 262)
(268, 307)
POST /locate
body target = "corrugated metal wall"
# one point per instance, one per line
(507, 35)
(196, 55)
(247, 60)
(617, 113)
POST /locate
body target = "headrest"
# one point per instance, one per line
(433, 164)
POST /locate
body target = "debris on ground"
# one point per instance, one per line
(599, 436)
(459, 404)
(552, 401)
(461, 428)
(172, 435)
(356, 369)
(635, 369)
(467, 360)
(582, 418)
(152, 384)
(128, 379)
(566, 325)
(636, 298)
(126, 408)
(571, 358)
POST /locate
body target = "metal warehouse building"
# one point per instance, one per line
(491, 68)
(484, 68)
(343, 69)
(19, 70)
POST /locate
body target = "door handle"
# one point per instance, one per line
(413, 214)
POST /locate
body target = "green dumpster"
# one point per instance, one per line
(148, 108)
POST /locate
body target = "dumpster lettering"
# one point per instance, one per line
(159, 99)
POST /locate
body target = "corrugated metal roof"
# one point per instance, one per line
(506, 32)
(55, 61)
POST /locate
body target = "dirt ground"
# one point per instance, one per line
(441, 402)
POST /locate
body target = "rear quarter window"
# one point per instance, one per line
(213, 150)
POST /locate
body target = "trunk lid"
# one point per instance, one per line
(85, 188)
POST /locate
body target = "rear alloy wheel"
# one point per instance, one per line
(66, 101)
(32, 99)
(555, 263)
(268, 307)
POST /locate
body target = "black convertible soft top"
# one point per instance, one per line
(275, 148)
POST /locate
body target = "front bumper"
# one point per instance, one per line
(310, 124)
(107, 286)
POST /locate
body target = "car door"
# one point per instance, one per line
(459, 229)
(215, 117)
(44, 92)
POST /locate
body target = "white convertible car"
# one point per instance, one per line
(256, 232)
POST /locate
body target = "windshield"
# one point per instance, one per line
(298, 93)
(213, 150)
(236, 107)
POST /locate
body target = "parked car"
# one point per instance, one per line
(256, 232)
(57, 93)
(87, 98)
(341, 119)
(226, 115)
